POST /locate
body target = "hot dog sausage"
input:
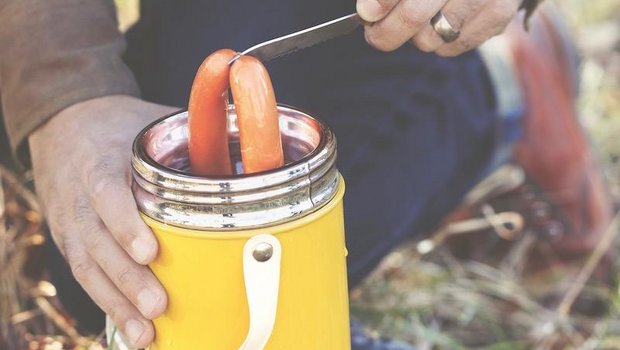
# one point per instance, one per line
(257, 115)
(208, 135)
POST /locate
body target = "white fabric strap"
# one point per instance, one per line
(261, 268)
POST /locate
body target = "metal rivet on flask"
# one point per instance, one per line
(262, 252)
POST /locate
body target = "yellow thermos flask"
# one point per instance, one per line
(249, 262)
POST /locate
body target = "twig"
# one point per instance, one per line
(491, 220)
(584, 275)
(15, 184)
(59, 320)
(25, 316)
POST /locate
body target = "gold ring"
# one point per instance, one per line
(443, 27)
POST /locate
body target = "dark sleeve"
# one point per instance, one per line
(54, 53)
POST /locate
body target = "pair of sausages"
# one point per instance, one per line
(257, 116)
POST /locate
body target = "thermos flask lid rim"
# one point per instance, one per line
(165, 192)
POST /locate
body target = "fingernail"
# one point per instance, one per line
(133, 331)
(147, 302)
(142, 250)
(369, 10)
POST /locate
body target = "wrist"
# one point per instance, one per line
(83, 109)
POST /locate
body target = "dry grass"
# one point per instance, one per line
(441, 302)
(30, 317)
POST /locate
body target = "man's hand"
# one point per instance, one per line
(395, 22)
(81, 161)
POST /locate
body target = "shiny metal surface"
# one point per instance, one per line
(262, 252)
(305, 38)
(165, 191)
(444, 29)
